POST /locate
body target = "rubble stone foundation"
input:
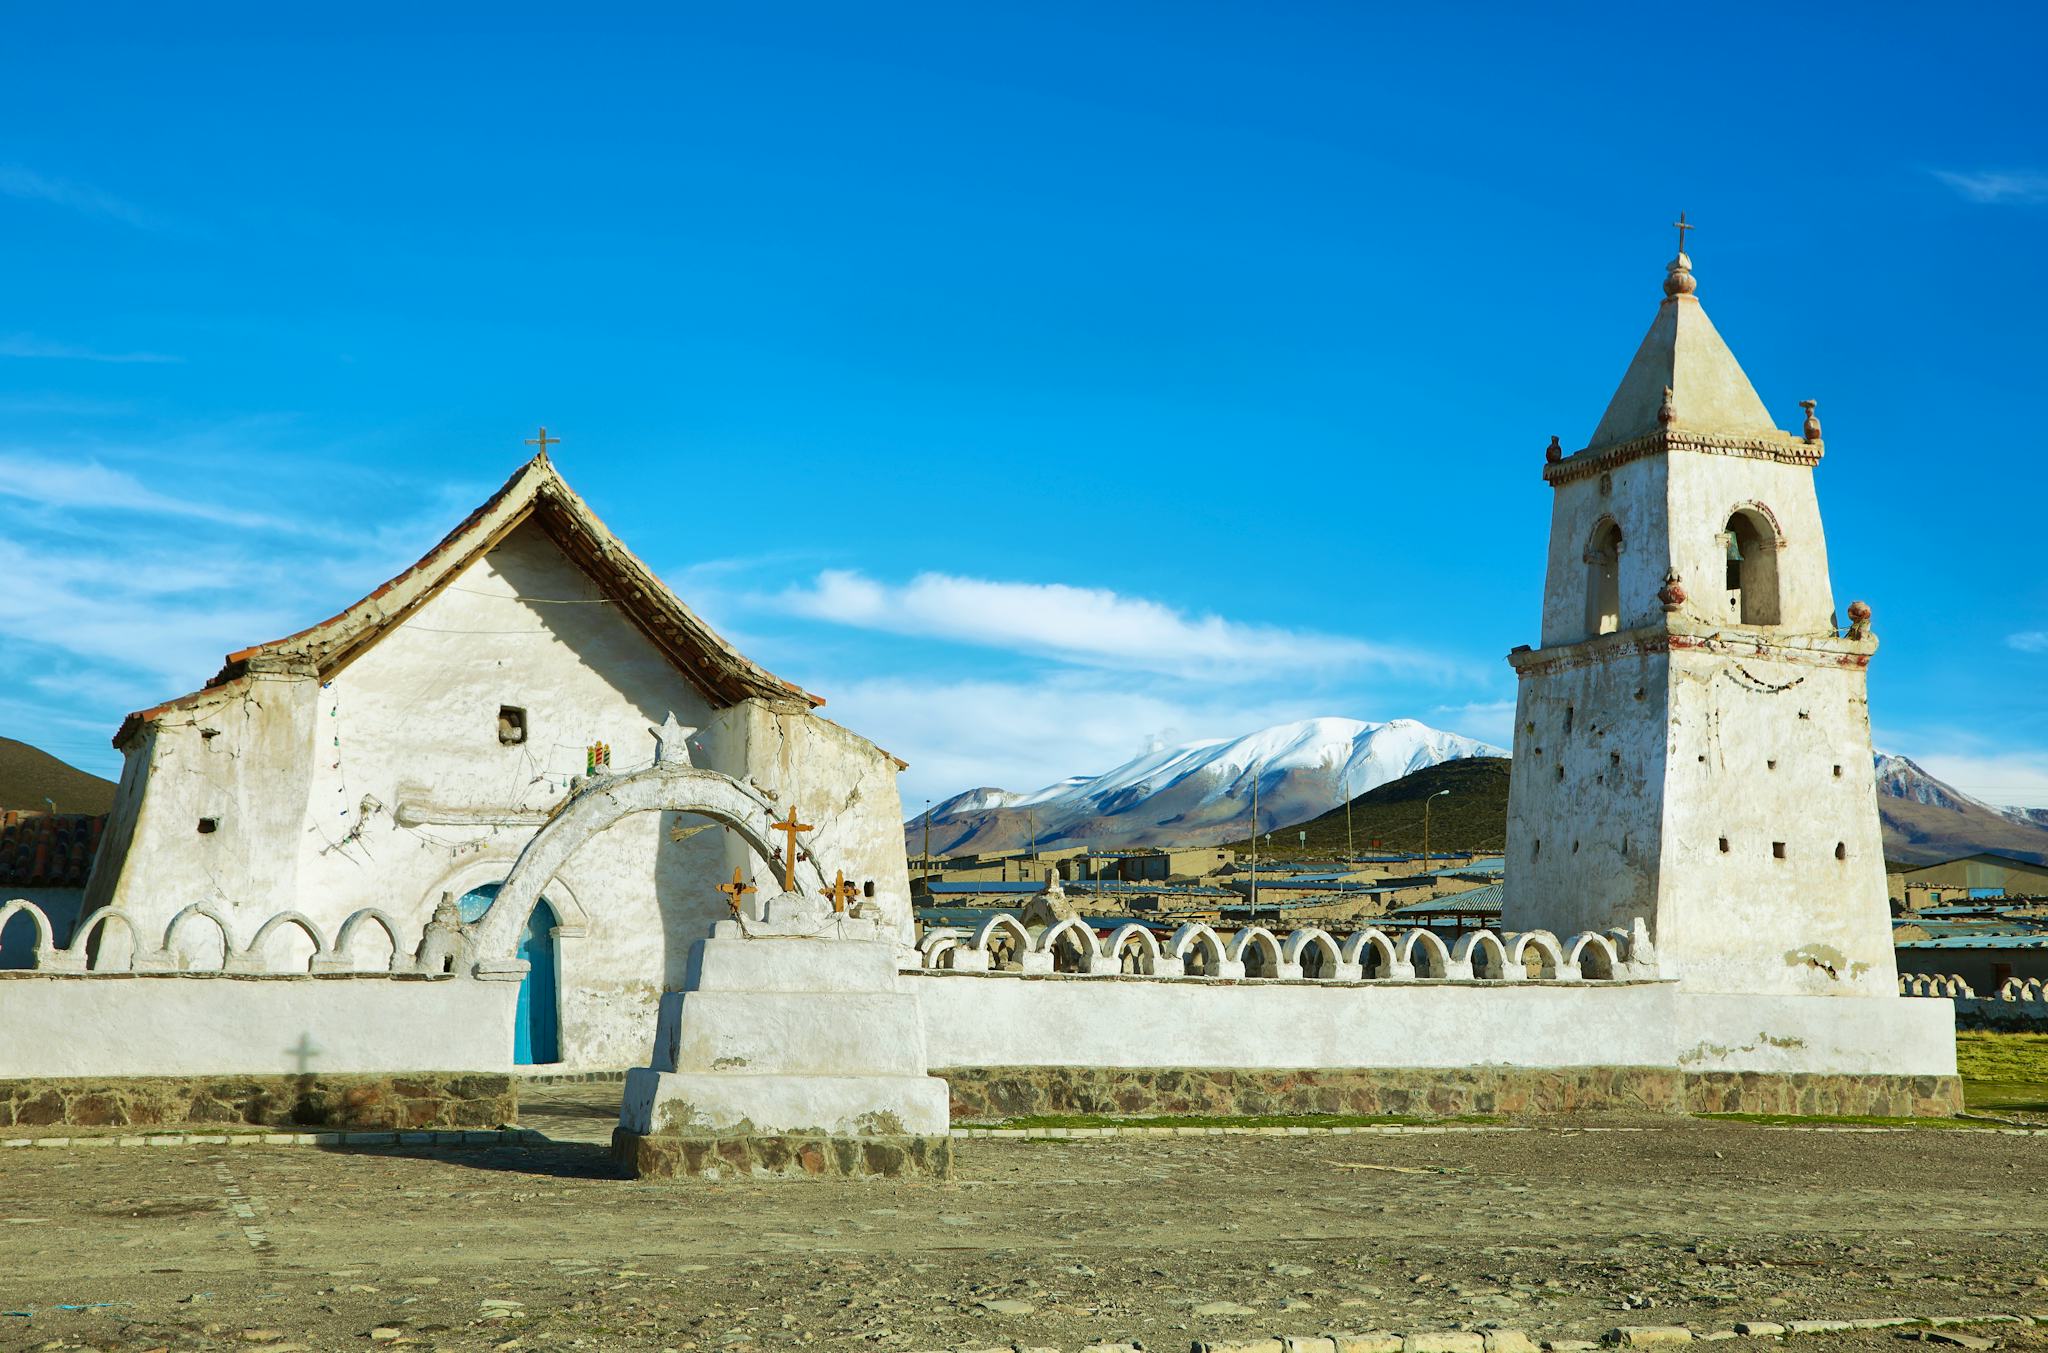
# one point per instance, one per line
(992, 1094)
(670, 1155)
(344, 1102)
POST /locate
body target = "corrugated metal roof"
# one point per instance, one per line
(1978, 942)
(1487, 899)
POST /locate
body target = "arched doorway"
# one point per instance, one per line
(537, 1025)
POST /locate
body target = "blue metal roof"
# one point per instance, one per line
(938, 888)
(1978, 942)
(1474, 900)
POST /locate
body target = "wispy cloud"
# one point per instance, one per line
(27, 185)
(1084, 625)
(87, 485)
(1488, 720)
(2028, 641)
(26, 345)
(1995, 187)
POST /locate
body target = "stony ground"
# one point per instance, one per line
(1560, 1232)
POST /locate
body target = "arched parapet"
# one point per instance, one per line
(254, 958)
(1258, 950)
(1638, 956)
(1423, 951)
(1591, 957)
(664, 787)
(82, 955)
(1133, 950)
(1375, 956)
(1536, 954)
(1069, 946)
(340, 956)
(1316, 957)
(1953, 986)
(47, 956)
(183, 927)
(1199, 951)
(1483, 957)
(1005, 946)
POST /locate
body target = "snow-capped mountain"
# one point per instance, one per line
(1927, 819)
(1200, 792)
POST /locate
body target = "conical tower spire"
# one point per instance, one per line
(1683, 377)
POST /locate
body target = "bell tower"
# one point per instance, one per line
(1692, 736)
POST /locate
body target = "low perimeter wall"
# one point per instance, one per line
(423, 1100)
(103, 1025)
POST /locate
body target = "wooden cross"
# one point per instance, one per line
(841, 892)
(1682, 228)
(735, 890)
(791, 826)
(544, 441)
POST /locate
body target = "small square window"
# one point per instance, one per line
(511, 725)
(1838, 772)
(1770, 765)
(208, 825)
(1724, 845)
(1777, 850)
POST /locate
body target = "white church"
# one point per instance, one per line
(520, 807)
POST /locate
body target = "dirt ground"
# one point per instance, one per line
(1559, 1232)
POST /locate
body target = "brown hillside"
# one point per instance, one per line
(28, 775)
(1473, 816)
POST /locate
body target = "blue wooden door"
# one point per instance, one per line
(536, 1037)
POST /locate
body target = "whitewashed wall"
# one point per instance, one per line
(195, 1025)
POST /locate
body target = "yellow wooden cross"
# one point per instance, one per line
(544, 441)
(841, 892)
(791, 826)
(735, 890)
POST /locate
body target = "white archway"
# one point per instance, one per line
(665, 787)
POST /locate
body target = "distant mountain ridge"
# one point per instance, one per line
(1199, 792)
(29, 775)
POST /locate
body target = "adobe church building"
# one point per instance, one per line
(404, 751)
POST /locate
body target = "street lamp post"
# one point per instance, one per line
(1425, 826)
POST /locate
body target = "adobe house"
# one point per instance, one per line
(404, 751)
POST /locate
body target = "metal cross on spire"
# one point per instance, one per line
(544, 441)
(1682, 228)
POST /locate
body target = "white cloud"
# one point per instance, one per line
(1488, 720)
(27, 345)
(1996, 187)
(1084, 625)
(86, 485)
(2017, 779)
(2029, 641)
(26, 185)
(1024, 735)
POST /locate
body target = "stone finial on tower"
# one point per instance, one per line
(1553, 453)
(1678, 278)
(1667, 412)
(1859, 620)
(1672, 594)
(1812, 421)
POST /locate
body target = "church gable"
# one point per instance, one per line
(536, 497)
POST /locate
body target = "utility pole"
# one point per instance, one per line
(927, 864)
(1350, 846)
(1031, 821)
(1255, 841)
(1425, 829)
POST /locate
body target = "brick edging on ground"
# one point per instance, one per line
(467, 1137)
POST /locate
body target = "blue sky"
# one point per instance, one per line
(1032, 381)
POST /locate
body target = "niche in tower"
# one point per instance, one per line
(1603, 578)
(1750, 542)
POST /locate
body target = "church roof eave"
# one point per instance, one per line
(538, 493)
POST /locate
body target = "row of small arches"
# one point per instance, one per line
(200, 939)
(2032, 990)
(1005, 944)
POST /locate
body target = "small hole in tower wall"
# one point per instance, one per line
(1569, 712)
(1724, 845)
(1838, 772)
(1841, 850)
(1770, 765)
(208, 825)
(1777, 850)
(511, 725)
(1560, 772)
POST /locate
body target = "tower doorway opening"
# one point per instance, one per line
(1751, 548)
(1603, 579)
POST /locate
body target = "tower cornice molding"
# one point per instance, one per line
(1785, 449)
(1679, 634)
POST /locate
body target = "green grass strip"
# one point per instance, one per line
(1303, 1120)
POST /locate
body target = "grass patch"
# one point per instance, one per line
(1305, 1120)
(2003, 1072)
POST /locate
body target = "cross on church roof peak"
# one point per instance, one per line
(1678, 278)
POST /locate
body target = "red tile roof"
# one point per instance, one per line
(44, 850)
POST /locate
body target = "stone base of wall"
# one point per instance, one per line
(339, 1102)
(669, 1155)
(992, 1094)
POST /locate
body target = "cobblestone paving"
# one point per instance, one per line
(1561, 1233)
